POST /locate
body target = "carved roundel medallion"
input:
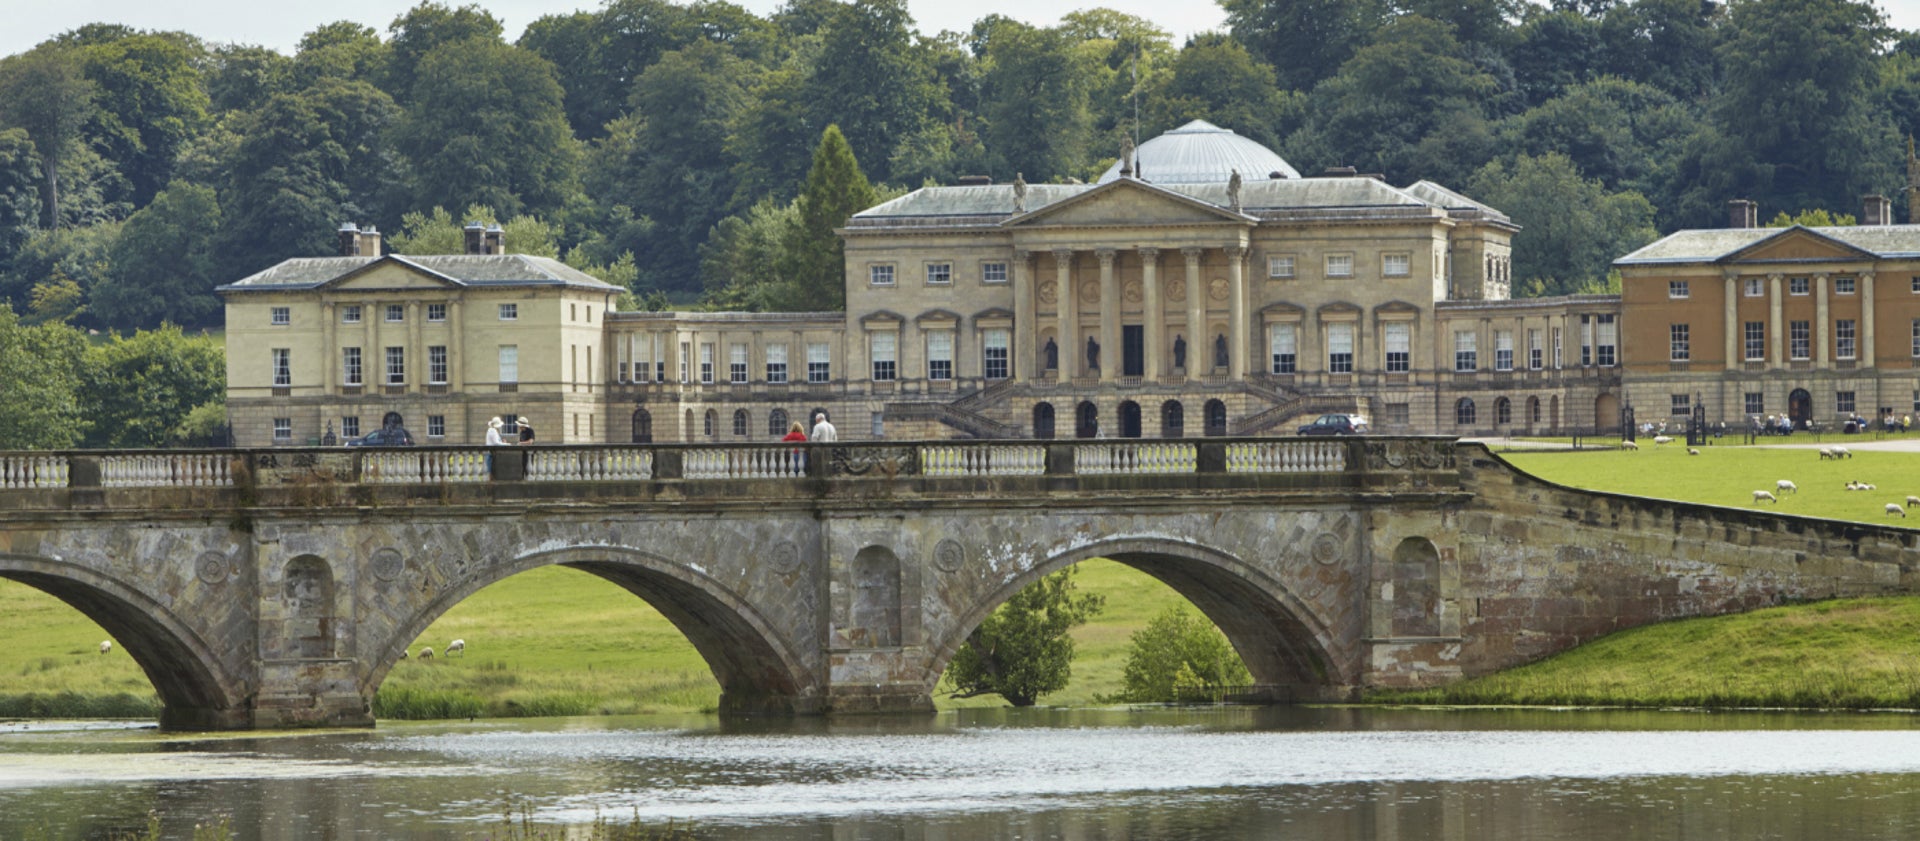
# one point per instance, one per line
(949, 555)
(786, 557)
(1326, 548)
(387, 564)
(1176, 290)
(1048, 291)
(1132, 293)
(1090, 292)
(211, 568)
(1217, 290)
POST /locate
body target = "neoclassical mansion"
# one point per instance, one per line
(1201, 287)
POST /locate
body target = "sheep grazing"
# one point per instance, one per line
(1894, 508)
(1854, 486)
(1692, 452)
(1662, 439)
(426, 653)
(1842, 452)
(1786, 486)
(1867, 487)
(1912, 501)
(1629, 445)
(1763, 496)
(1826, 453)
(106, 646)
(457, 647)
(403, 654)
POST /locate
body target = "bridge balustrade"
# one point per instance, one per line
(988, 460)
(1287, 457)
(33, 471)
(413, 467)
(166, 470)
(761, 462)
(596, 465)
(1135, 458)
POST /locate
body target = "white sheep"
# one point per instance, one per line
(1662, 439)
(1868, 487)
(1692, 452)
(457, 647)
(1912, 501)
(1894, 508)
(403, 654)
(1763, 496)
(426, 653)
(1842, 452)
(1826, 453)
(106, 646)
(1629, 445)
(1853, 486)
(1786, 486)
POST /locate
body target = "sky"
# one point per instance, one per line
(280, 23)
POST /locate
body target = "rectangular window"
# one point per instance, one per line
(1607, 341)
(1756, 287)
(1756, 341)
(1799, 286)
(1755, 403)
(1398, 414)
(995, 272)
(1679, 343)
(1916, 285)
(1340, 348)
(509, 363)
(940, 273)
(282, 429)
(706, 363)
(877, 425)
(880, 275)
(1586, 340)
(282, 316)
(1843, 286)
(396, 366)
(436, 312)
(1843, 402)
(776, 363)
(1339, 265)
(1283, 340)
(1843, 339)
(940, 355)
(1556, 349)
(437, 364)
(1280, 265)
(350, 366)
(737, 363)
(1682, 404)
(884, 346)
(1396, 265)
(436, 426)
(1399, 347)
(509, 312)
(350, 314)
(1535, 358)
(1800, 345)
(994, 352)
(282, 366)
(1503, 350)
(819, 363)
(396, 312)
(686, 358)
(350, 426)
(1466, 353)
(1916, 338)
(1676, 289)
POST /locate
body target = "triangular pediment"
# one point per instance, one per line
(390, 273)
(1127, 203)
(1797, 244)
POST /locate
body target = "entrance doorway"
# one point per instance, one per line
(1133, 351)
(1606, 413)
(1129, 419)
(1800, 408)
(1043, 421)
(1086, 421)
(642, 426)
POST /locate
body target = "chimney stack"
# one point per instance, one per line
(1876, 210)
(369, 241)
(348, 238)
(496, 240)
(1742, 213)
(475, 238)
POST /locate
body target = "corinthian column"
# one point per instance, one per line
(1237, 306)
(1025, 331)
(1155, 318)
(1198, 346)
(1070, 352)
(1109, 316)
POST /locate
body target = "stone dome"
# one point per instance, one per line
(1202, 153)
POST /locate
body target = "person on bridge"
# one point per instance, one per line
(493, 433)
(526, 431)
(823, 431)
(795, 433)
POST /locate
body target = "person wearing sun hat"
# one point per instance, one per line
(526, 430)
(493, 433)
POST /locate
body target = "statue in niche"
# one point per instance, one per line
(1179, 351)
(1052, 352)
(1233, 190)
(1019, 192)
(1220, 350)
(1093, 354)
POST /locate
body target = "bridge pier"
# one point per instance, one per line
(310, 693)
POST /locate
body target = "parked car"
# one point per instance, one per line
(396, 437)
(1336, 424)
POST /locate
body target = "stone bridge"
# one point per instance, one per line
(276, 588)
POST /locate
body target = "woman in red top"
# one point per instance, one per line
(795, 433)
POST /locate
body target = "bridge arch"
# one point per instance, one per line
(1283, 642)
(758, 668)
(196, 689)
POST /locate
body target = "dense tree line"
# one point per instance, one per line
(691, 150)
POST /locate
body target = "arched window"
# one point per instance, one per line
(307, 596)
(1503, 411)
(713, 420)
(1173, 420)
(1463, 412)
(686, 428)
(1086, 420)
(1416, 588)
(1216, 418)
(876, 597)
(740, 423)
(1043, 421)
(1533, 410)
(642, 426)
(777, 422)
(1129, 419)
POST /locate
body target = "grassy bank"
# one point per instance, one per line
(1729, 475)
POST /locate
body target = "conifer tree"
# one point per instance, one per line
(814, 259)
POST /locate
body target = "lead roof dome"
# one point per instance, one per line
(1202, 153)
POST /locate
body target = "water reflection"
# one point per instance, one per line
(1080, 774)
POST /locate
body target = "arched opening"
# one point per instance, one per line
(1800, 407)
(1173, 420)
(740, 423)
(1464, 413)
(777, 423)
(1043, 421)
(1216, 418)
(1606, 413)
(642, 426)
(1503, 411)
(876, 599)
(712, 423)
(1553, 403)
(1416, 588)
(306, 603)
(197, 691)
(1129, 419)
(1533, 413)
(1086, 420)
(686, 428)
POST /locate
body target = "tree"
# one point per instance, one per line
(44, 93)
(42, 385)
(1023, 649)
(1215, 79)
(428, 27)
(164, 264)
(739, 260)
(439, 233)
(872, 80)
(341, 50)
(815, 257)
(1816, 218)
(151, 101)
(138, 390)
(19, 193)
(81, 256)
(1571, 228)
(1305, 41)
(1034, 95)
(1178, 651)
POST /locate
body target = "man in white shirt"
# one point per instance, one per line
(823, 431)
